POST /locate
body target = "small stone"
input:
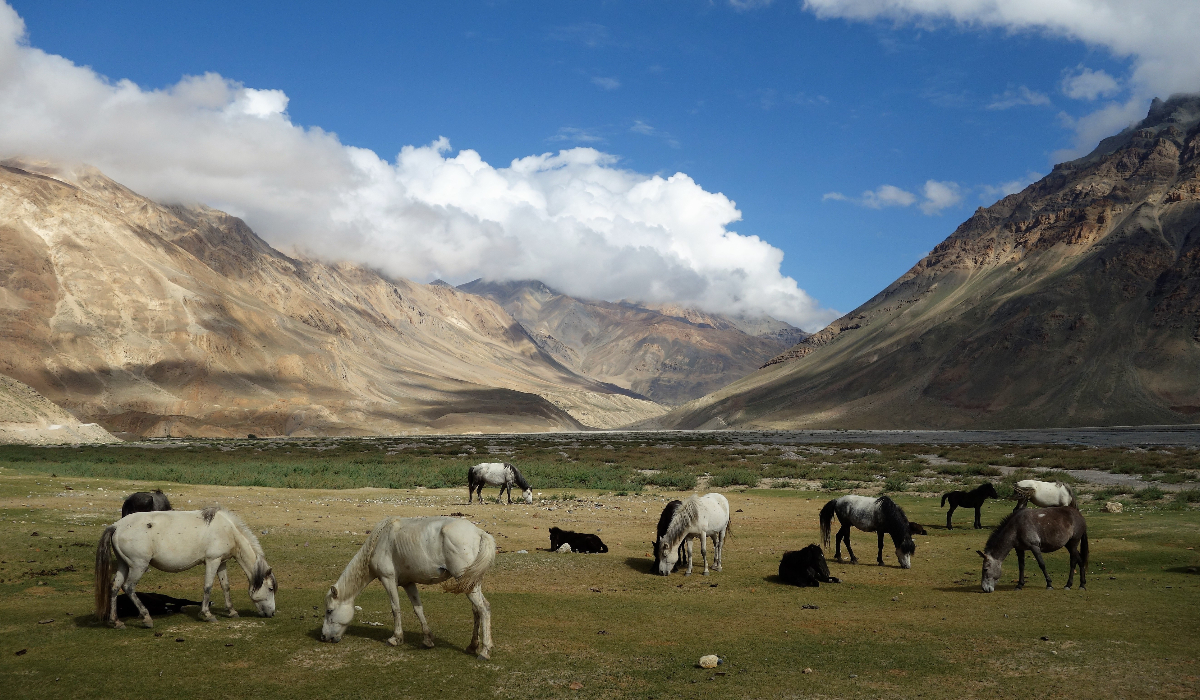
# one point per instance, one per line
(46, 621)
(575, 685)
(1045, 639)
(895, 598)
(854, 675)
(522, 551)
(1112, 507)
(709, 661)
(179, 639)
(564, 549)
(808, 670)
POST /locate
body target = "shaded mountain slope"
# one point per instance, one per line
(159, 320)
(1074, 302)
(27, 417)
(667, 353)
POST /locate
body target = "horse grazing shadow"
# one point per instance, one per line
(641, 565)
(412, 638)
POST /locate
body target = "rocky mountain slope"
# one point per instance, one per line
(1075, 302)
(667, 353)
(27, 417)
(171, 320)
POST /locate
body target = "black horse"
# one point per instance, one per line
(582, 542)
(968, 499)
(144, 502)
(664, 521)
(805, 567)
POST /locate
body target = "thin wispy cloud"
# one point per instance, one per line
(606, 83)
(641, 127)
(1019, 97)
(1087, 84)
(991, 193)
(573, 134)
(575, 219)
(936, 196)
(589, 34)
(1158, 37)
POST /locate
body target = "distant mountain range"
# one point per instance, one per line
(158, 320)
(1075, 302)
(667, 353)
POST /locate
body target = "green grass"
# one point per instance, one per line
(884, 632)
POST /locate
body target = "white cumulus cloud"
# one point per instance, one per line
(1157, 36)
(936, 197)
(939, 196)
(574, 219)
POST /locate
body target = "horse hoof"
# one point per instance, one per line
(427, 643)
(148, 624)
(483, 656)
(118, 625)
(209, 617)
(233, 613)
(392, 641)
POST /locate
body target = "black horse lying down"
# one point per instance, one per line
(968, 499)
(157, 603)
(582, 542)
(144, 502)
(805, 567)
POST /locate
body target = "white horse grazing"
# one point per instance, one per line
(1043, 494)
(177, 540)
(408, 551)
(698, 516)
(500, 474)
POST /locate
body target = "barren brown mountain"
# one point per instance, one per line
(173, 320)
(667, 353)
(1075, 302)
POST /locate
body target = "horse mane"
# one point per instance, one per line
(665, 519)
(521, 482)
(211, 512)
(893, 515)
(685, 515)
(994, 538)
(357, 573)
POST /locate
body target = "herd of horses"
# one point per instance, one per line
(403, 552)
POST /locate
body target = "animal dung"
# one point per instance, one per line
(1113, 507)
(709, 661)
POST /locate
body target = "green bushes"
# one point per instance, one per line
(734, 477)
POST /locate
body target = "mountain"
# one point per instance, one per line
(667, 353)
(178, 320)
(27, 417)
(1075, 302)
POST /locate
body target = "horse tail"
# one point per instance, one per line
(472, 576)
(1083, 551)
(104, 573)
(827, 519)
(944, 497)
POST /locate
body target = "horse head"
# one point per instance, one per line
(262, 589)
(665, 556)
(989, 490)
(904, 551)
(339, 613)
(991, 571)
(528, 495)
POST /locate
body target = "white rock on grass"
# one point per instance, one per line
(709, 661)
(564, 549)
(1112, 507)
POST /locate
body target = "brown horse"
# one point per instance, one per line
(1041, 530)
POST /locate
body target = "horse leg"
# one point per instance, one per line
(688, 543)
(210, 573)
(718, 548)
(949, 515)
(118, 581)
(704, 552)
(135, 574)
(470, 492)
(414, 597)
(223, 577)
(978, 513)
(880, 557)
(845, 534)
(481, 641)
(1073, 551)
(1037, 554)
(1020, 569)
(389, 586)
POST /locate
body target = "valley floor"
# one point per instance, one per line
(570, 625)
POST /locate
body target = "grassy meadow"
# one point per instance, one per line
(602, 625)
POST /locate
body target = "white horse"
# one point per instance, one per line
(408, 551)
(174, 541)
(1043, 494)
(500, 474)
(698, 516)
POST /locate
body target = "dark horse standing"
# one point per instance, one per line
(968, 499)
(1041, 530)
(880, 515)
(144, 502)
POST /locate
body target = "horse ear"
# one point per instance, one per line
(333, 592)
(981, 554)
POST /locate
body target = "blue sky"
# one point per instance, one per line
(790, 115)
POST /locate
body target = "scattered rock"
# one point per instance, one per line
(808, 670)
(158, 634)
(179, 639)
(810, 606)
(602, 632)
(709, 661)
(521, 551)
(46, 621)
(565, 548)
(575, 685)
(594, 589)
(33, 534)
(895, 598)
(1112, 507)
(854, 675)
(1045, 639)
